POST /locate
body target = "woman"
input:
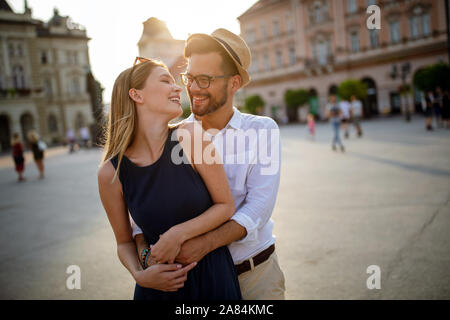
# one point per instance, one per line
(17, 153)
(429, 99)
(38, 153)
(170, 202)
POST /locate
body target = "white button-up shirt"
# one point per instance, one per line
(253, 172)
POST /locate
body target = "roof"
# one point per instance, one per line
(5, 6)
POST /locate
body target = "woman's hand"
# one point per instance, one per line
(168, 246)
(164, 277)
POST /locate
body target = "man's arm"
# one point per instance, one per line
(195, 249)
(262, 188)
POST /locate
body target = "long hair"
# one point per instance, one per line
(120, 130)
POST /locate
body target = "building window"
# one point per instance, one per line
(371, 2)
(279, 59)
(18, 77)
(292, 58)
(289, 24)
(11, 50)
(266, 62)
(76, 86)
(373, 39)
(276, 28)
(414, 26)
(263, 31)
(52, 124)
(19, 50)
(351, 6)
(44, 57)
(48, 87)
(394, 30)
(250, 36)
(426, 24)
(254, 64)
(354, 41)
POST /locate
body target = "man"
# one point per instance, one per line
(217, 68)
(333, 113)
(356, 114)
(344, 105)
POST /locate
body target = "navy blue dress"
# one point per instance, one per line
(164, 194)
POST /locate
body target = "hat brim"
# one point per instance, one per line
(242, 72)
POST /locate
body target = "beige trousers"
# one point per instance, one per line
(263, 282)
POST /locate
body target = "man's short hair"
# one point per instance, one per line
(202, 46)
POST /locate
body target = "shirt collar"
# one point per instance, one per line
(235, 121)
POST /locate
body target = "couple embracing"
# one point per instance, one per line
(199, 229)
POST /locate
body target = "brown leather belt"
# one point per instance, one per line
(258, 259)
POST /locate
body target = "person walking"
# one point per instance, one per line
(446, 108)
(311, 126)
(429, 101)
(345, 107)
(356, 115)
(37, 147)
(17, 153)
(333, 113)
(71, 140)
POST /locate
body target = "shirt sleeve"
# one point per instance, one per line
(263, 181)
(135, 228)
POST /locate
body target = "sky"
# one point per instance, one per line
(115, 26)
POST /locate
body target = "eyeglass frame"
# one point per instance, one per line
(210, 78)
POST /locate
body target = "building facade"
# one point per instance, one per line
(43, 76)
(317, 44)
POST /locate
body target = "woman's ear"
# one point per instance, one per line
(135, 95)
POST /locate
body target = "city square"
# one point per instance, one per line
(383, 202)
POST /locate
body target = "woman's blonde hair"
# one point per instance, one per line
(33, 137)
(120, 130)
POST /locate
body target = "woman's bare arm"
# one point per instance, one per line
(215, 179)
(160, 277)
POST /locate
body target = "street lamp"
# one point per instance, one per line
(405, 70)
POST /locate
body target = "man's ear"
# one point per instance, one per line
(236, 82)
(135, 95)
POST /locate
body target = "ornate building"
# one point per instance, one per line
(316, 44)
(44, 69)
(157, 43)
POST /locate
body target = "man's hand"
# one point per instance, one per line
(194, 250)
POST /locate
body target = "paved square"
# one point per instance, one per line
(384, 202)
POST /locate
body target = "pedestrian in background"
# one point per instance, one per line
(429, 110)
(17, 153)
(333, 113)
(356, 114)
(85, 136)
(71, 140)
(37, 147)
(344, 105)
(446, 108)
(437, 107)
(311, 125)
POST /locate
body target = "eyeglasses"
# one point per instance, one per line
(140, 60)
(203, 81)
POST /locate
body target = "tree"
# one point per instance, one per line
(253, 103)
(433, 76)
(295, 99)
(351, 87)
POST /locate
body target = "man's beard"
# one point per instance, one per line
(213, 105)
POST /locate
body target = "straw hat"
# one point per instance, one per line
(236, 48)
